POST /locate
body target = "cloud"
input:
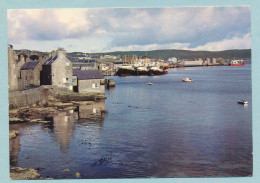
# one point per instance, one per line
(40, 24)
(149, 47)
(131, 27)
(243, 42)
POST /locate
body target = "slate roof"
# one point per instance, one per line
(29, 65)
(72, 59)
(87, 74)
(50, 60)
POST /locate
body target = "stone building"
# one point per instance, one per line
(30, 72)
(57, 70)
(14, 81)
(89, 81)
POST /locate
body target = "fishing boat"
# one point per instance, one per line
(237, 62)
(126, 70)
(187, 80)
(156, 70)
(142, 70)
(244, 102)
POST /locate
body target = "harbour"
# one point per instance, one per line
(108, 93)
(167, 129)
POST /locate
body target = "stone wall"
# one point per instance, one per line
(36, 96)
(40, 96)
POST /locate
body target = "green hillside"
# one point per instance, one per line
(187, 54)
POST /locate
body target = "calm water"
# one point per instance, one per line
(168, 129)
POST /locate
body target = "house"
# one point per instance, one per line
(88, 81)
(57, 70)
(30, 72)
(14, 81)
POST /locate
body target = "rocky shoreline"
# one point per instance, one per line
(37, 113)
(60, 102)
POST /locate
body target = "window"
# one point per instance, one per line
(65, 80)
(94, 85)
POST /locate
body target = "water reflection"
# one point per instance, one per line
(61, 128)
(93, 114)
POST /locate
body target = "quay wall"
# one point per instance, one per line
(35, 96)
(41, 95)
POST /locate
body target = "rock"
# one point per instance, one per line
(49, 103)
(51, 99)
(83, 102)
(70, 108)
(14, 119)
(42, 121)
(13, 111)
(60, 104)
(77, 174)
(66, 170)
(13, 134)
(35, 120)
(23, 173)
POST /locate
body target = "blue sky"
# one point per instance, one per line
(130, 29)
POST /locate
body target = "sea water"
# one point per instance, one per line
(168, 129)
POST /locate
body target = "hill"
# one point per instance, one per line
(244, 54)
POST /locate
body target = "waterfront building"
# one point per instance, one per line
(14, 81)
(88, 81)
(57, 70)
(30, 72)
(193, 62)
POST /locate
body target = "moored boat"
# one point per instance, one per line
(187, 80)
(244, 102)
(237, 62)
(149, 83)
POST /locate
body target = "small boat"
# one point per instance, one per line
(187, 80)
(242, 102)
(149, 83)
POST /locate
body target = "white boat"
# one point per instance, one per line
(149, 83)
(242, 102)
(187, 80)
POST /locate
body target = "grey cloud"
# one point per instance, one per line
(141, 26)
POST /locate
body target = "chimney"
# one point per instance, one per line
(61, 52)
(52, 54)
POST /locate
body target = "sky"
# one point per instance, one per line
(130, 29)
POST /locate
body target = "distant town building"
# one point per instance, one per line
(173, 60)
(102, 57)
(57, 70)
(85, 66)
(89, 81)
(198, 62)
